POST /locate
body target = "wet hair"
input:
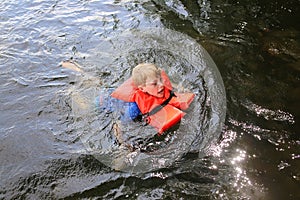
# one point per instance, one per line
(142, 71)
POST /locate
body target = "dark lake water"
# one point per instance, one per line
(51, 135)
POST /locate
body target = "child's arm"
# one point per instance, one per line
(133, 111)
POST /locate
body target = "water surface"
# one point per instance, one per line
(255, 46)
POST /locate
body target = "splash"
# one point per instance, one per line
(187, 65)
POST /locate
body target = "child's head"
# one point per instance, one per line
(142, 71)
(147, 77)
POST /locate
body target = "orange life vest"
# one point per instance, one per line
(164, 117)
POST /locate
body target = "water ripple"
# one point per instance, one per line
(276, 115)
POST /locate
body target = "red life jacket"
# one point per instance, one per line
(166, 116)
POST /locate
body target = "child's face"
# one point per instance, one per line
(154, 86)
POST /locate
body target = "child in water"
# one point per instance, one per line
(151, 97)
(146, 83)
